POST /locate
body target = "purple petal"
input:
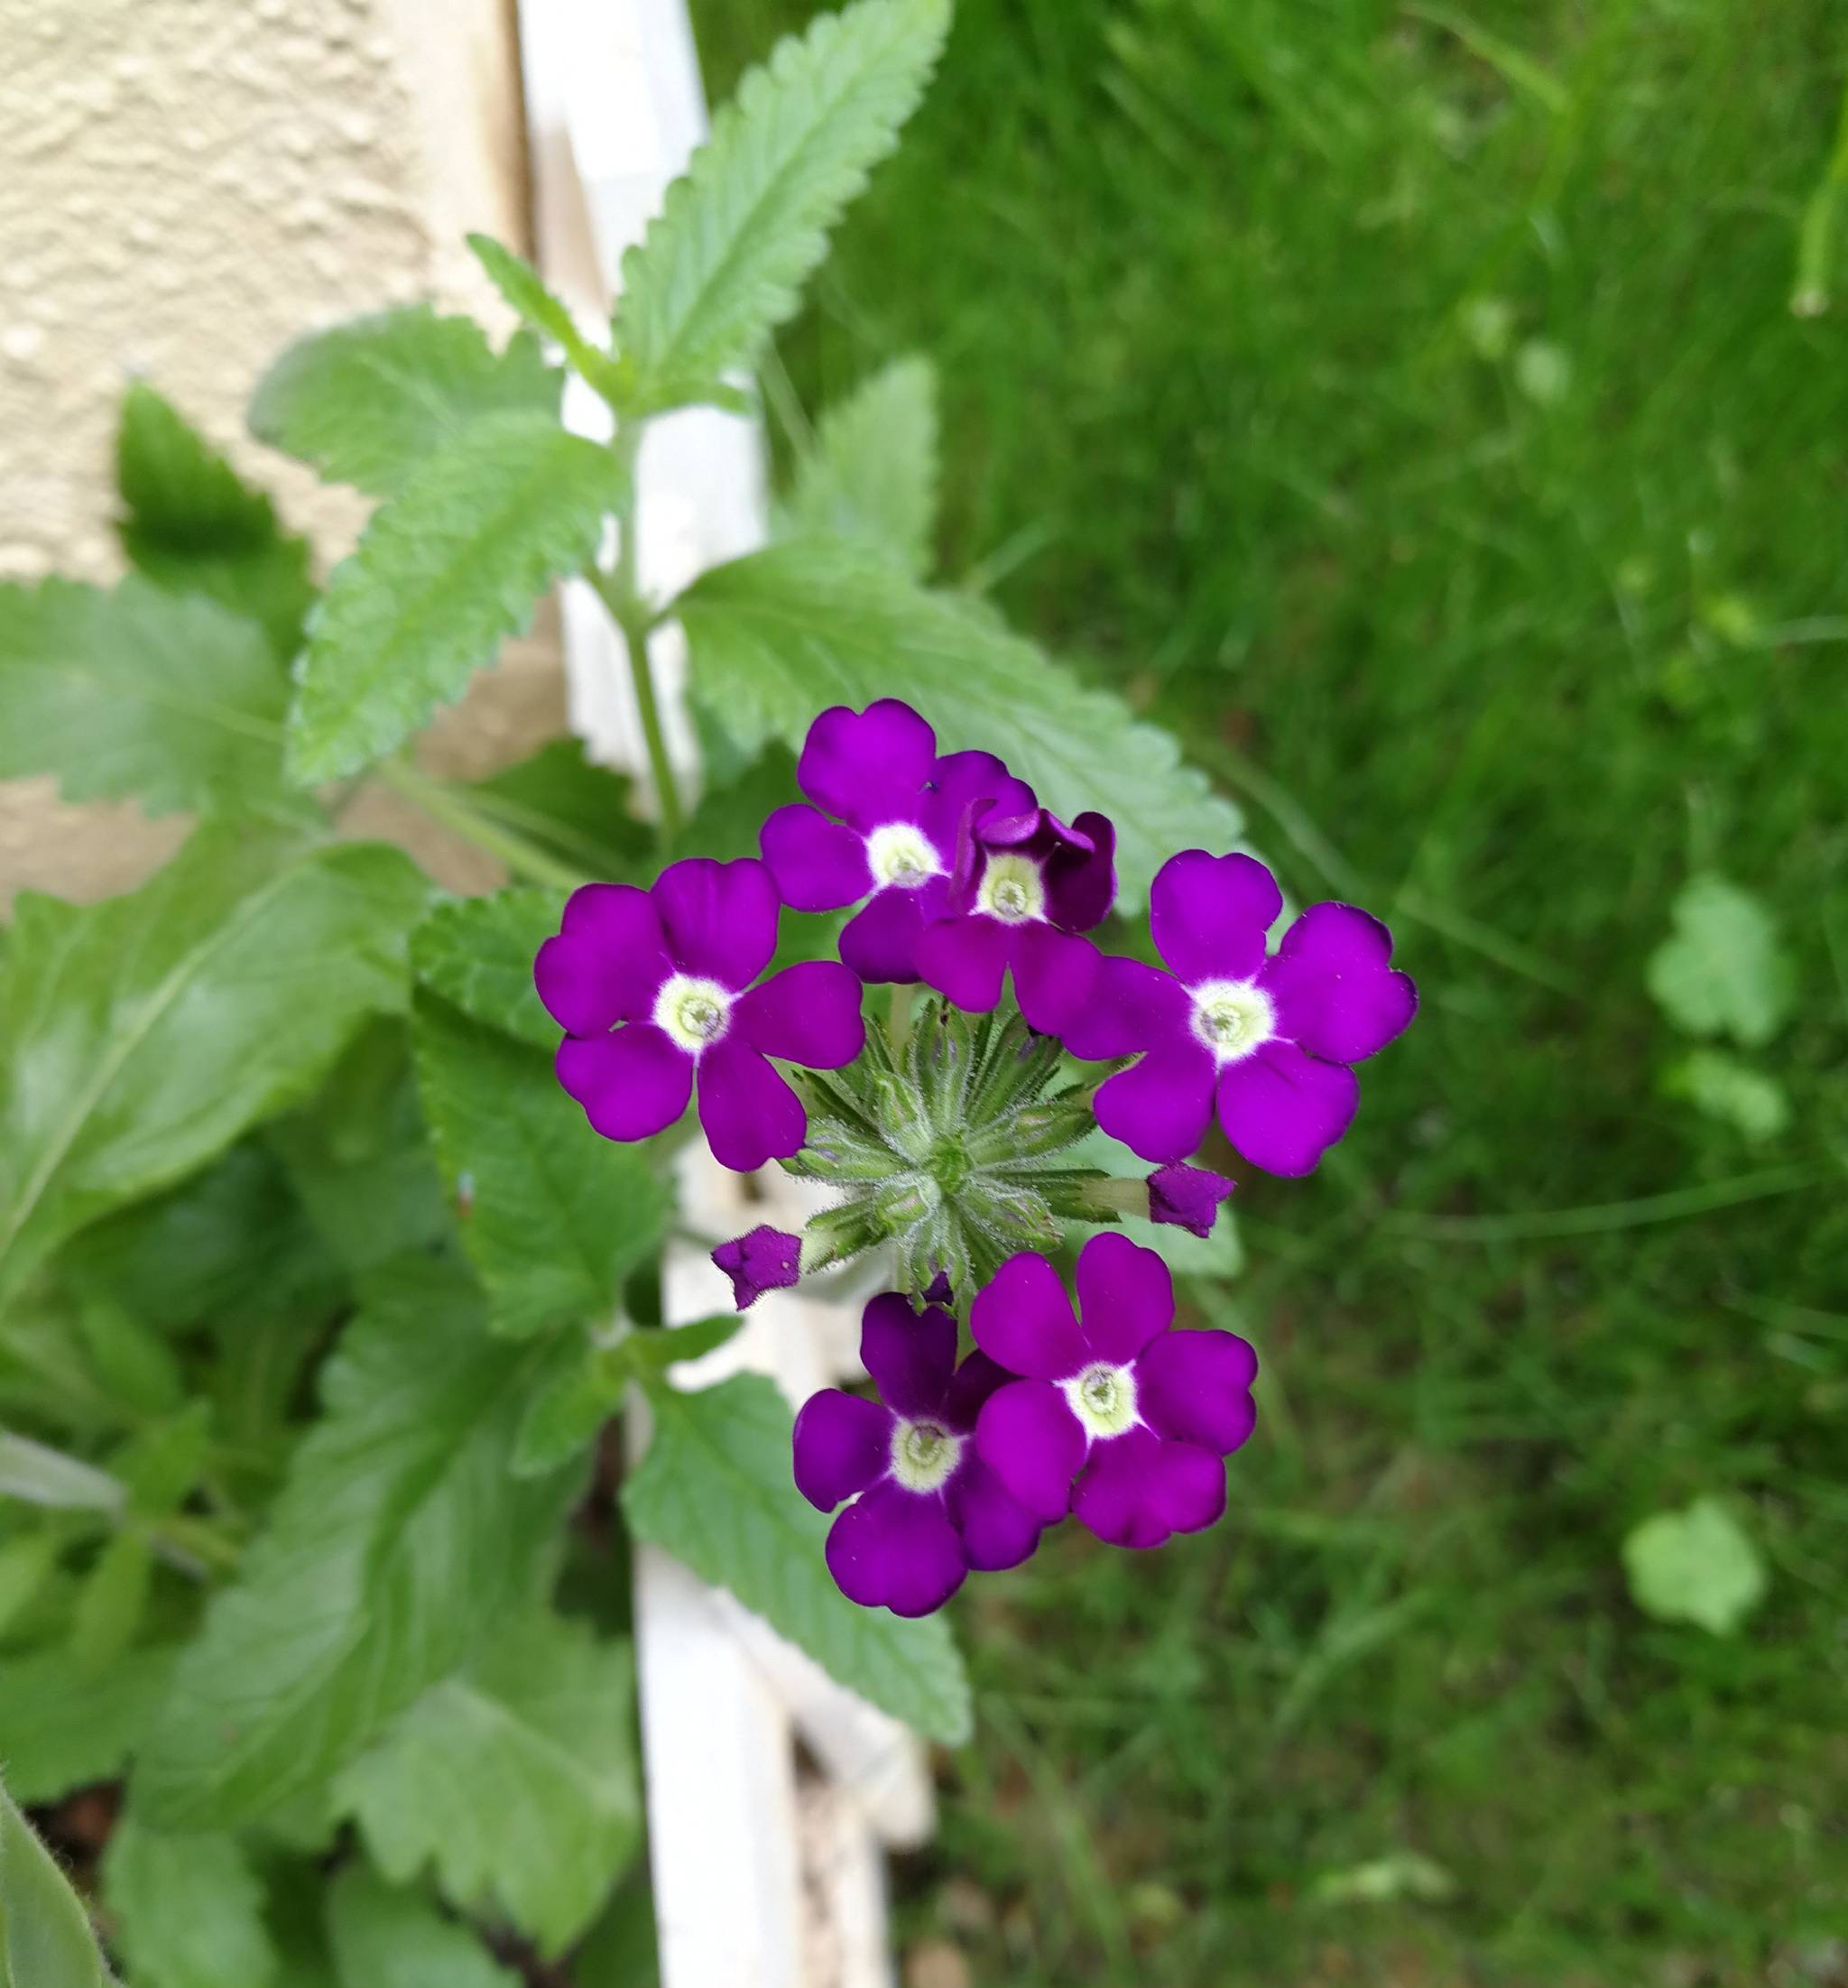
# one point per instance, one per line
(959, 779)
(1022, 1318)
(632, 1084)
(607, 961)
(1336, 995)
(762, 1259)
(810, 1013)
(975, 1379)
(1282, 1108)
(818, 864)
(841, 1444)
(910, 1358)
(749, 1115)
(1029, 1438)
(1138, 1490)
(1125, 1297)
(1195, 1387)
(1081, 884)
(880, 942)
(1127, 1006)
(1188, 1196)
(1208, 914)
(997, 1531)
(967, 959)
(719, 918)
(893, 1550)
(867, 766)
(1160, 1108)
(1056, 976)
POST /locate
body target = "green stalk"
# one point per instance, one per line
(446, 803)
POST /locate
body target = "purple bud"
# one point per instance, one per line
(1188, 1197)
(766, 1259)
(937, 1291)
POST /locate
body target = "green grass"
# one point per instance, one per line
(1405, 404)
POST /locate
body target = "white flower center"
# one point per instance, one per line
(694, 1013)
(1103, 1399)
(1011, 890)
(902, 856)
(924, 1455)
(1232, 1017)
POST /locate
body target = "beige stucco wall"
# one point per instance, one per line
(186, 185)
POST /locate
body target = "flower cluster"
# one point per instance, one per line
(948, 1133)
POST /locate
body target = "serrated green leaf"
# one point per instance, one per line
(778, 635)
(722, 265)
(386, 1938)
(1697, 1566)
(442, 574)
(61, 1730)
(188, 1911)
(523, 288)
(194, 526)
(648, 1355)
(1735, 1093)
(576, 809)
(367, 401)
(141, 1036)
(716, 1490)
(553, 1218)
(136, 694)
(398, 1543)
(111, 1603)
(478, 952)
(871, 472)
(517, 1781)
(45, 1936)
(621, 1950)
(1724, 972)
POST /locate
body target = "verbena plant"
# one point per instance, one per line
(321, 1298)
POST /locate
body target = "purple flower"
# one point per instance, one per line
(653, 985)
(927, 1509)
(762, 1259)
(939, 1290)
(1139, 1415)
(1024, 884)
(1268, 1038)
(893, 842)
(1188, 1196)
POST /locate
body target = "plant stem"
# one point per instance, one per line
(621, 591)
(443, 802)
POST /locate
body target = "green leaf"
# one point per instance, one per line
(721, 264)
(141, 1036)
(194, 526)
(136, 1366)
(111, 1604)
(61, 1730)
(366, 402)
(26, 1563)
(478, 952)
(398, 1542)
(38, 1474)
(138, 694)
(45, 1936)
(523, 288)
(1697, 1566)
(1724, 971)
(553, 1218)
(188, 1911)
(872, 472)
(714, 1490)
(517, 1781)
(384, 1939)
(442, 574)
(778, 635)
(163, 1462)
(570, 806)
(1735, 1093)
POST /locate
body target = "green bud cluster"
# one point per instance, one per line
(943, 1140)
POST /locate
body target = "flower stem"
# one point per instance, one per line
(621, 592)
(443, 802)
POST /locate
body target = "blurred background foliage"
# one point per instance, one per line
(1406, 404)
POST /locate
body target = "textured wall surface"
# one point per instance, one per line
(186, 185)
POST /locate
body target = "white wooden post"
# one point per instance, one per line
(759, 1881)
